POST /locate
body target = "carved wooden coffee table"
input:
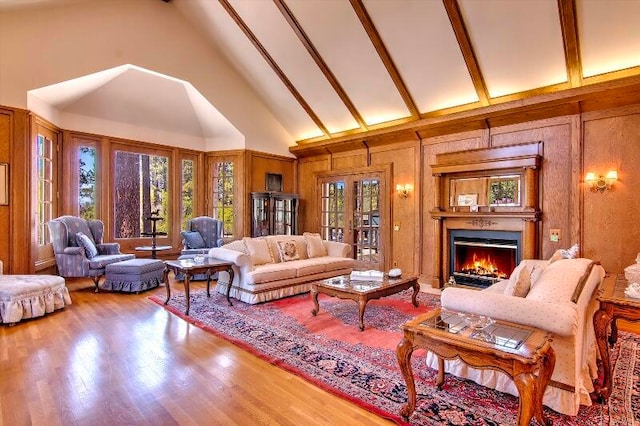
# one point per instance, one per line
(189, 267)
(524, 353)
(362, 291)
(614, 305)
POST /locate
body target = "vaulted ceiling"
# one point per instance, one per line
(334, 68)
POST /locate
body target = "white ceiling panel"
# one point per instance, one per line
(424, 48)
(270, 27)
(219, 26)
(518, 44)
(609, 34)
(349, 53)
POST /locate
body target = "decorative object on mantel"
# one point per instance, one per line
(632, 272)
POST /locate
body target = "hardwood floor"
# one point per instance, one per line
(115, 359)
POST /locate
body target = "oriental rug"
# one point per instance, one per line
(329, 351)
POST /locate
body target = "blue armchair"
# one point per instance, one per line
(79, 250)
(202, 233)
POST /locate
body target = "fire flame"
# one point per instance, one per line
(482, 266)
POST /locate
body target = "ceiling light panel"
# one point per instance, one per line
(337, 34)
(609, 35)
(518, 44)
(275, 34)
(423, 46)
(246, 59)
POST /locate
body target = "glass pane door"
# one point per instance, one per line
(366, 221)
(332, 211)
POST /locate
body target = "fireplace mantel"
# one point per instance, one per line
(523, 160)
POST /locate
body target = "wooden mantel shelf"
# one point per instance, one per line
(534, 215)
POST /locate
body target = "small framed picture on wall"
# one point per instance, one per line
(273, 182)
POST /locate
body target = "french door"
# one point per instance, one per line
(353, 210)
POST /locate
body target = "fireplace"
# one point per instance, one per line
(479, 258)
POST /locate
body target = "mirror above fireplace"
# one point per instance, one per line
(492, 191)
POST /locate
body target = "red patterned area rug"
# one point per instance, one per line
(329, 351)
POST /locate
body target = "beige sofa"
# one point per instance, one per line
(277, 266)
(561, 300)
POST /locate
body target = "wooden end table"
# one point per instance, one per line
(524, 353)
(614, 305)
(362, 291)
(189, 267)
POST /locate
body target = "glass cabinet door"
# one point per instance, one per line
(260, 222)
(274, 213)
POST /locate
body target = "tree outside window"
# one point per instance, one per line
(141, 187)
(87, 182)
(223, 196)
(187, 192)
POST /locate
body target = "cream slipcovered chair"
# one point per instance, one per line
(561, 300)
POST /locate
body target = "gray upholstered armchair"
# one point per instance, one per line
(79, 250)
(202, 233)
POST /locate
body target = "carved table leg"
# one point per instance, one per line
(166, 284)
(416, 289)
(362, 304)
(547, 364)
(403, 354)
(314, 297)
(187, 279)
(602, 321)
(527, 390)
(230, 271)
(208, 282)
(440, 378)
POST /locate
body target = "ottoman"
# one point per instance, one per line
(31, 296)
(133, 276)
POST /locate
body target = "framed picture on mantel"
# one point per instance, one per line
(274, 182)
(4, 184)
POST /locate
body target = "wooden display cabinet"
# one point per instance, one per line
(274, 213)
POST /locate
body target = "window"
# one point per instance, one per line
(87, 182)
(187, 201)
(46, 149)
(223, 196)
(141, 188)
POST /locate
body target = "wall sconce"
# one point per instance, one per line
(404, 190)
(600, 183)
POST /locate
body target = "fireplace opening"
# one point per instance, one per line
(480, 258)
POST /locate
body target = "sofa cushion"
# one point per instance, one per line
(87, 243)
(335, 263)
(237, 245)
(558, 281)
(315, 246)
(300, 241)
(288, 250)
(193, 239)
(271, 272)
(310, 266)
(570, 253)
(258, 250)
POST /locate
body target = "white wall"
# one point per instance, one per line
(40, 46)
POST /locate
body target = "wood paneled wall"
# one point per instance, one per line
(610, 230)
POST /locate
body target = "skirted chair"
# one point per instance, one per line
(79, 250)
(202, 234)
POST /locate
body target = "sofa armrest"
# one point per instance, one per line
(558, 318)
(236, 257)
(108, 248)
(74, 251)
(337, 249)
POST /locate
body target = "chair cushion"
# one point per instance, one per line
(85, 242)
(139, 266)
(193, 239)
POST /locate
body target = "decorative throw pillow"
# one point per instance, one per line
(519, 282)
(288, 250)
(315, 246)
(85, 242)
(570, 253)
(193, 239)
(258, 249)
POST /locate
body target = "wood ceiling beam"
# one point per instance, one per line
(460, 30)
(377, 42)
(569, 27)
(272, 63)
(306, 42)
